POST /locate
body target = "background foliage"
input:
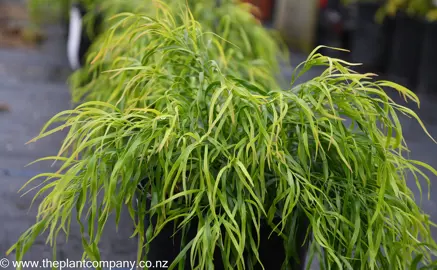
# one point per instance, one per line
(424, 9)
(240, 47)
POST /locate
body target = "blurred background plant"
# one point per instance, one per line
(425, 9)
(231, 20)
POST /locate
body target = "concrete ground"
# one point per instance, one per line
(32, 82)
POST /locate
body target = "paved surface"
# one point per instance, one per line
(33, 84)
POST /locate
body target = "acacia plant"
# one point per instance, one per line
(231, 152)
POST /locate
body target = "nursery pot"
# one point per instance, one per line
(371, 41)
(428, 62)
(405, 54)
(166, 246)
(388, 29)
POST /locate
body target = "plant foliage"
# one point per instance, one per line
(240, 47)
(217, 141)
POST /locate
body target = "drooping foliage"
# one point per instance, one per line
(217, 140)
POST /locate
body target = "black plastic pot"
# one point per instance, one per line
(406, 50)
(166, 246)
(371, 41)
(388, 29)
(427, 75)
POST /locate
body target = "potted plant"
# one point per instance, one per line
(259, 63)
(234, 158)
